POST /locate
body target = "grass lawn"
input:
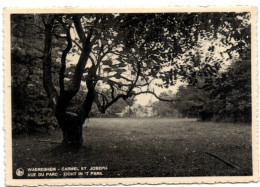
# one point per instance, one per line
(146, 148)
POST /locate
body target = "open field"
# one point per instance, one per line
(146, 147)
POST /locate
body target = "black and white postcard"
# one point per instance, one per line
(127, 96)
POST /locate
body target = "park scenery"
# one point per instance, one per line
(131, 95)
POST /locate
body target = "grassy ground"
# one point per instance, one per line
(146, 147)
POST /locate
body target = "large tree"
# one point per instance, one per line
(124, 55)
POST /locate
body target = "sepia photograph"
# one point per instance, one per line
(131, 95)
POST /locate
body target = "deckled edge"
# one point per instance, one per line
(127, 181)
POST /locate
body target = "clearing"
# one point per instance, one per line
(145, 148)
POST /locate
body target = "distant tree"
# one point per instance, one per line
(124, 52)
(239, 101)
(165, 109)
(190, 100)
(226, 98)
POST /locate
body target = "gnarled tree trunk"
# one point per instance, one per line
(72, 130)
(71, 124)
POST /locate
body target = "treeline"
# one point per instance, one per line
(226, 97)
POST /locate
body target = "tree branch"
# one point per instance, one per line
(76, 43)
(80, 67)
(155, 95)
(105, 107)
(137, 76)
(79, 29)
(64, 56)
(112, 91)
(47, 63)
(105, 100)
(92, 60)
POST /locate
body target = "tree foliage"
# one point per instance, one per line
(126, 54)
(227, 98)
(30, 106)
